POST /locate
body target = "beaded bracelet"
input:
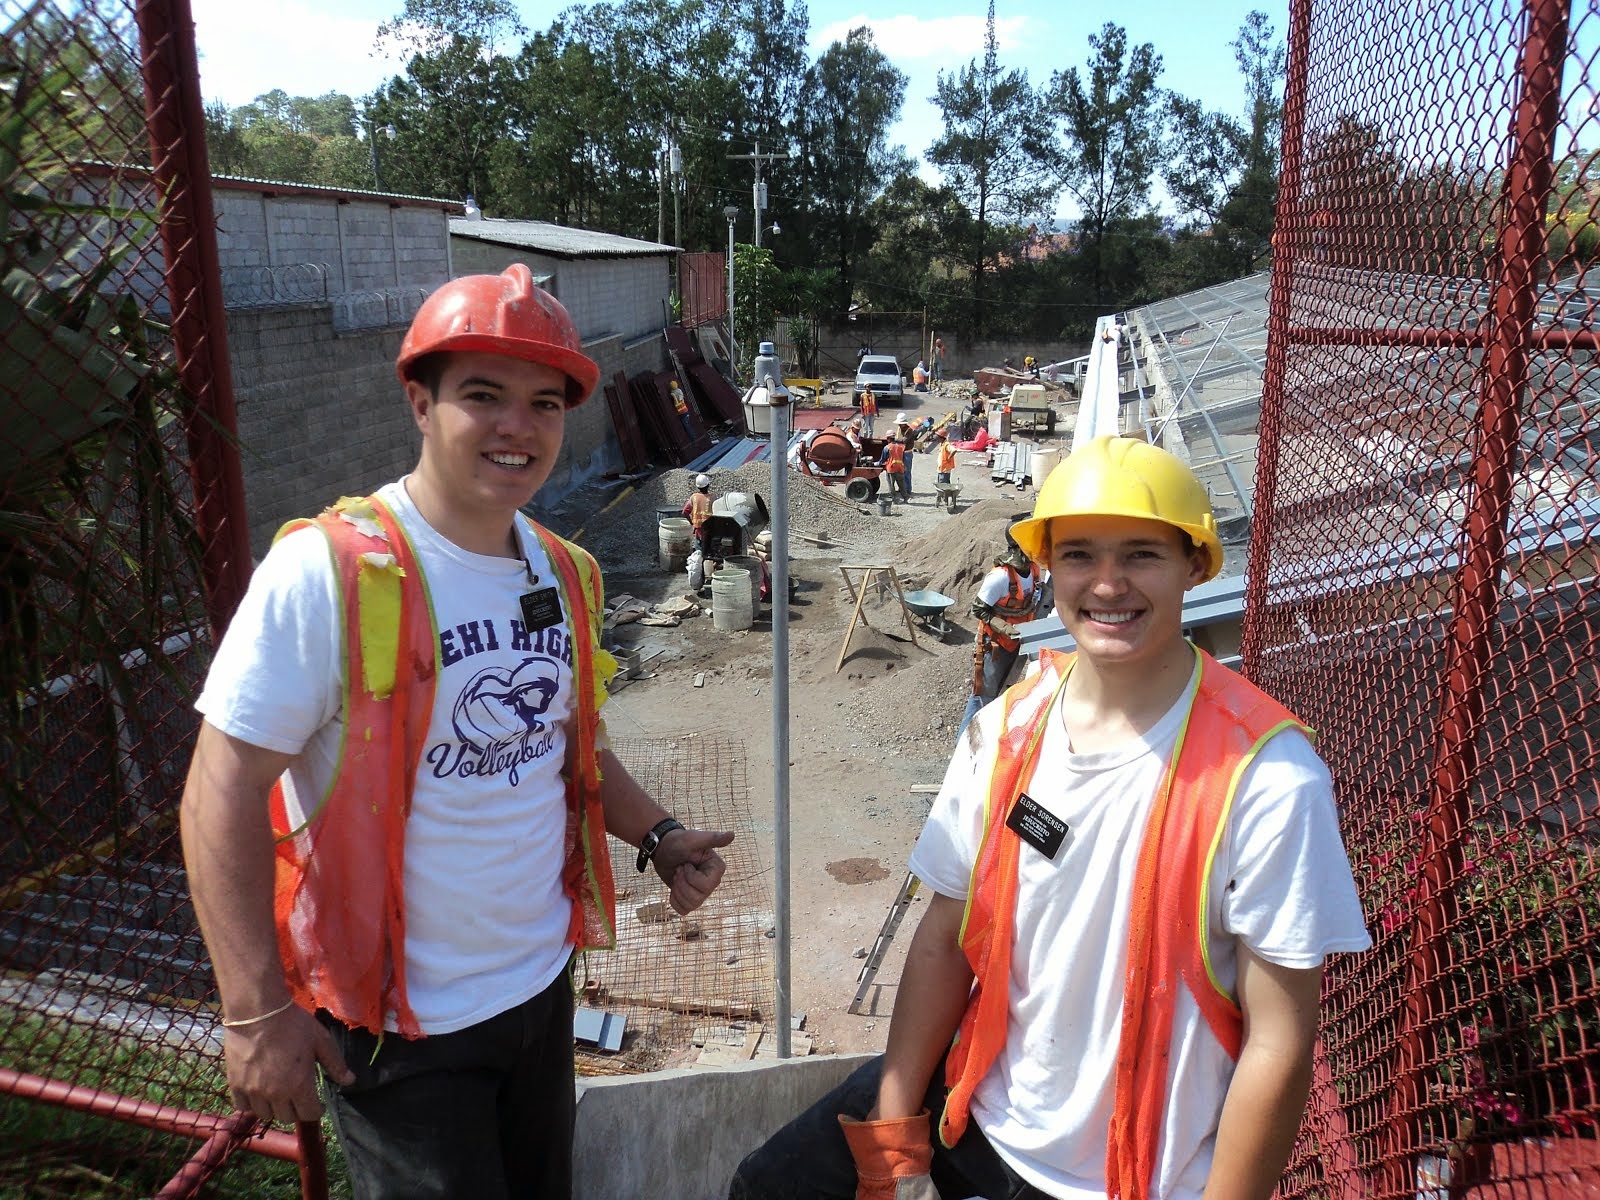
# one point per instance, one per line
(267, 1016)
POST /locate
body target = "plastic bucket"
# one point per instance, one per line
(676, 534)
(730, 599)
(664, 515)
(752, 564)
(1044, 461)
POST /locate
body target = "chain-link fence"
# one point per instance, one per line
(1423, 579)
(121, 541)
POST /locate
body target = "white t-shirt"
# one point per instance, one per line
(1281, 884)
(486, 919)
(996, 586)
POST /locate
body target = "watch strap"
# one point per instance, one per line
(652, 840)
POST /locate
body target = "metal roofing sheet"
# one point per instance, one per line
(558, 241)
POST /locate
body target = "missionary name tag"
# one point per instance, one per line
(541, 609)
(1037, 825)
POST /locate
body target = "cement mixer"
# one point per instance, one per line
(830, 458)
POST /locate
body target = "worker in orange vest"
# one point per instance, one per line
(698, 507)
(869, 409)
(947, 457)
(395, 819)
(893, 461)
(1136, 876)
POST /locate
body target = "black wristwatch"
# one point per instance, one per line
(652, 840)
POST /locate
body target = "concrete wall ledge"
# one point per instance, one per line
(678, 1135)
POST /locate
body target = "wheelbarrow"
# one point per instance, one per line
(929, 608)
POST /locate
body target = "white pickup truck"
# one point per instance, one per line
(882, 374)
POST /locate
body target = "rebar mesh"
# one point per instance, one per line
(1423, 583)
(671, 975)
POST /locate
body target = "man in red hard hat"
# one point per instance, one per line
(395, 821)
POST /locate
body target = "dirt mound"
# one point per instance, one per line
(954, 558)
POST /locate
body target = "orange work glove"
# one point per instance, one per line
(893, 1158)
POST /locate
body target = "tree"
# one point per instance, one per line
(1223, 173)
(428, 26)
(917, 257)
(995, 153)
(854, 96)
(1112, 132)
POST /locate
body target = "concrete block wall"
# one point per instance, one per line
(320, 415)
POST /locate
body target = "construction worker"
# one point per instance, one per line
(869, 409)
(395, 819)
(893, 461)
(1135, 873)
(698, 507)
(1009, 595)
(681, 407)
(947, 457)
(937, 369)
(902, 428)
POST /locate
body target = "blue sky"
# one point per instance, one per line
(308, 47)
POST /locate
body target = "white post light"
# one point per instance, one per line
(732, 213)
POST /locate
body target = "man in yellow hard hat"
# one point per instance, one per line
(395, 820)
(1136, 876)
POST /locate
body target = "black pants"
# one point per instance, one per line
(485, 1112)
(808, 1158)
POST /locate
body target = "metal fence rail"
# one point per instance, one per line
(1423, 580)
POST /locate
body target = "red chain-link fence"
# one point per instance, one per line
(121, 544)
(1423, 579)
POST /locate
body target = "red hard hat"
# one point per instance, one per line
(501, 314)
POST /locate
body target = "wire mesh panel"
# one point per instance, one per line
(1423, 580)
(705, 977)
(115, 527)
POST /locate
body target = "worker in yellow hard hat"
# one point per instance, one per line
(1136, 875)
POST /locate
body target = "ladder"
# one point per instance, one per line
(880, 947)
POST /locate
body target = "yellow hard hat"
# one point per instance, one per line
(1122, 477)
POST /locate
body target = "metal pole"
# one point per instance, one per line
(779, 399)
(1469, 665)
(171, 69)
(757, 197)
(733, 354)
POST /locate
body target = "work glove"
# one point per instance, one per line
(893, 1158)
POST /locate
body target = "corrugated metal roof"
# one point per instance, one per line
(558, 241)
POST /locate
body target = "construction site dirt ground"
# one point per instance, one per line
(861, 737)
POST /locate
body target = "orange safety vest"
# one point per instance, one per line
(947, 456)
(895, 463)
(869, 404)
(699, 506)
(679, 403)
(1228, 722)
(339, 897)
(1017, 604)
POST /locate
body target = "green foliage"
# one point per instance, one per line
(757, 292)
(996, 154)
(853, 97)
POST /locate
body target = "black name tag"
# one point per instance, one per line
(1037, 825)
(541, 609)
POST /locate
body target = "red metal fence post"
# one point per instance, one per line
(182, 175)
(1505, 379)
(1285, 240)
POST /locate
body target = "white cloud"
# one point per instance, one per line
(248, 49)
(906, 37)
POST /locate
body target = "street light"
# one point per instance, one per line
(373, 130)
(732, 213)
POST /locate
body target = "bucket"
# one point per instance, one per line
(730, 599)
(885, 503)
(676, 534)
(1044, 461)
(752, 564)
(666, 514)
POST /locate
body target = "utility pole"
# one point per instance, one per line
(661, 197)
(760, 192)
